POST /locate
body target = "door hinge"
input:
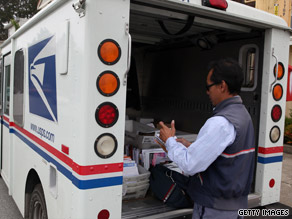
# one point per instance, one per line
(79, 7)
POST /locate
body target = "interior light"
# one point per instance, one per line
(276, 113)
(281, 70)
(277, 92)
(203, 43)
(275, 134)
(105, 145)
(109, 52)
(108, 83)
(106, 114)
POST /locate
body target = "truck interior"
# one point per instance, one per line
(171, 49)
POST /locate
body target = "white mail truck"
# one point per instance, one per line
(75, 71)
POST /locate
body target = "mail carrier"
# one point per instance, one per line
(74, 73)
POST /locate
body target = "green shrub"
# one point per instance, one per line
(288, 130)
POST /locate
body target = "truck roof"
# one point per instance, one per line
(236, 13)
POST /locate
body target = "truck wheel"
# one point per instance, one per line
(37, 204)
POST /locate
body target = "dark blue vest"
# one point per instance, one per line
(226, 183)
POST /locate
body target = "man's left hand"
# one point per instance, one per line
(166, 132)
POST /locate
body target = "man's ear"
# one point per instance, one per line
(224, 86)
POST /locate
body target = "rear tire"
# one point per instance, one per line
(37, 204)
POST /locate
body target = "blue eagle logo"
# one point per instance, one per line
(42, 79)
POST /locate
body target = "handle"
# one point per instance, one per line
(129, 53)
(276, 76)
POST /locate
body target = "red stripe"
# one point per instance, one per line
(81, 170)
(6, 118)
(238, 152)
(45, 145)
(98, 169)
(271, 150)
(167, 194)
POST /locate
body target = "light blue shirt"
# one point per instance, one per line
(213, 138)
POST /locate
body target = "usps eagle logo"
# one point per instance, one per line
(42, 79)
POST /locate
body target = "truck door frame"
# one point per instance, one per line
(2, 102)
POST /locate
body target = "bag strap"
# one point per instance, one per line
(169, 192)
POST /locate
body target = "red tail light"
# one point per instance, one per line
(276, 113)
(103, 214)
(219, 4)
(106, 114)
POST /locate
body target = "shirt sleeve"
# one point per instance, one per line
(213, 138)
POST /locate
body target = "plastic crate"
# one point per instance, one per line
(143, 176)
(136, 186)
(135, 192)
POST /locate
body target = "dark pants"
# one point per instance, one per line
(201, 212)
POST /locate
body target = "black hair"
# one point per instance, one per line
(227, 70)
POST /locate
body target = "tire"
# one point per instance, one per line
(37, 204)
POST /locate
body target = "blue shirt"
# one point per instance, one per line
(213, 138)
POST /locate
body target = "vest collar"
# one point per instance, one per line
(232, 100)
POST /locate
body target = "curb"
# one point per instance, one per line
(287, 148)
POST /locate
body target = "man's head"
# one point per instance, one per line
(224, 80)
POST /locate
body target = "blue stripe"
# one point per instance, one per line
(81, 184)
(265, 160)
(5, 124)
(48, 158)
(94, 183)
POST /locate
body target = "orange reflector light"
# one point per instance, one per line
(103, 214)
(108, 83)
(109, 52)
(106, 114)
(277, 91)
(105, 145)
(281, 70)
(276, 113)
(275, 134)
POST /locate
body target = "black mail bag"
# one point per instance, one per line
(170, 187)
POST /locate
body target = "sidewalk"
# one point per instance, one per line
(288, 148)
(286, 183)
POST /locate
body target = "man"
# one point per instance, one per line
(221, 160)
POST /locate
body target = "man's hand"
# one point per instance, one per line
(166, 132)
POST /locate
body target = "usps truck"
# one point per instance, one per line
(75, 71)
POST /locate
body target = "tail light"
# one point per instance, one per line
(275, 134)
(108, 83)
(106, 114)
(109, 52)
(277, 92)
(281, 70)
(276, 113)
(105, 145)
(103, 214)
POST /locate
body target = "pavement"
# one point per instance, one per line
(8, 209)
(286, 184)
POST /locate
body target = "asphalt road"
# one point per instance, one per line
(8, 209)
